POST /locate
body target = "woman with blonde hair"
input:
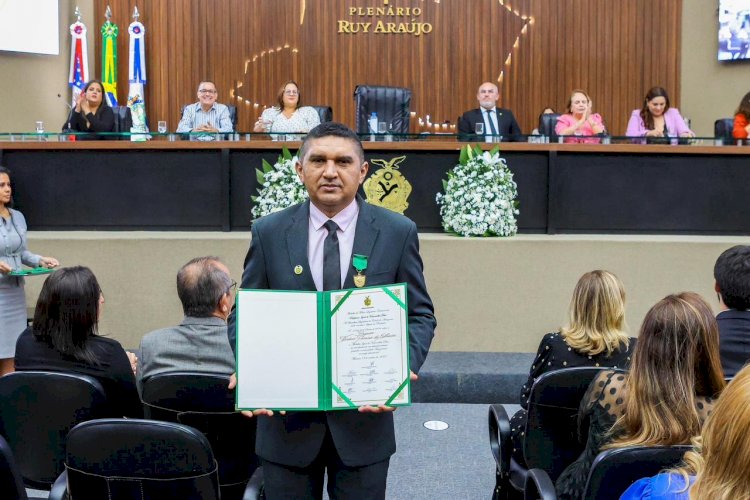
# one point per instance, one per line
(666, 396)
(719, 463)
(595, 336)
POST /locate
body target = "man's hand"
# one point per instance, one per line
(247, 413)
(206, 128)
(5, 268)
(383, 408)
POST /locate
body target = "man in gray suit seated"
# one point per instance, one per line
(199, 343)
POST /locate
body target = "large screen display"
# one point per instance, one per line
(734, 29)
(30, 26)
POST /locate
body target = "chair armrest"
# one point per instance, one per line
(59, 489)
(254, 487)
(539, 485)
(500, 444)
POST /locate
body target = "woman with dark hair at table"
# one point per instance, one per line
(742, 119)
(580, 121)
(13, 255)
(666, 396)
(656, 118)
(289, 116)
(595, 336)
(91, 113)
(65, 338)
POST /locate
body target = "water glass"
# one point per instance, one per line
(479, 128)
(162, 127)
(382, 127)
(39, 127)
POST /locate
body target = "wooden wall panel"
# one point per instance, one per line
(536, 50)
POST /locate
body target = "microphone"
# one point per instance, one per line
(70, 115)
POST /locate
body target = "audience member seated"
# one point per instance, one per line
(289, 115)
(719, 463)
(496, 121)
(742, 119)
(65, 338)
(667, 395)
(732, 275)
(199, 343)
(580, 121)
(546, 111)
(91, 113)
(595, 336)
(206, 115)
(656, 119)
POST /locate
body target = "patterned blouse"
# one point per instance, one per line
(303, 120)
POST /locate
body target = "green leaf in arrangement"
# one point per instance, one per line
(260, 176)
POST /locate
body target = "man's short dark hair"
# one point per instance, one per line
(328, 129)
(732, 274)
(200, 285)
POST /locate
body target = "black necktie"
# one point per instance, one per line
(492, 124)
(331, 259)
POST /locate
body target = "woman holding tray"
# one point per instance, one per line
(13, 253)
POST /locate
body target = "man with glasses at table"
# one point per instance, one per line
(206, 115)
(199, 343)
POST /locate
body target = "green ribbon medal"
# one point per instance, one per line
(360, 264)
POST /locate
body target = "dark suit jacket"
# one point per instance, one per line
(279, 243)
(506, 123)
(734, 340)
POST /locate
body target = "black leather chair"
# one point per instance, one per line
(552, 438)
(390, 103)
(123, 121)
(37, 409)
(134, 458)
(325, 113)
(613, 471)
(547, 124)
(723, 130)
(203, 401)
(11, 485)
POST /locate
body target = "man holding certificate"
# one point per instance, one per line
(371, 333)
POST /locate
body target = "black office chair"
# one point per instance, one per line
(613, 471)
(203, 401)
(134, 458)
(11, 485)
(324, 112)
(37, 409)
(123, 121)
(551, 440)
(723, 130)
(547, 124)
(390, 103)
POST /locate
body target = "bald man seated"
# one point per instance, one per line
(499, 124)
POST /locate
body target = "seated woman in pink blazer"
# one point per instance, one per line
(579, 121)
(657, 119)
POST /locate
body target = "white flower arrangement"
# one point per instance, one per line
(280, 186)
(480, 195)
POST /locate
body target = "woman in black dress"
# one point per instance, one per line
(595, 336)
(65, 338)
(667, 395)
(91, 113)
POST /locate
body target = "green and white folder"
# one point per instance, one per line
(333, 350)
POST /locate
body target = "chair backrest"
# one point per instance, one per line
(547, 124)
(37, 409)
(134, 458)
(11, 485)
(123, 120)
(203, 401)
(324, 112)
(723, 130)
(614, 470)
(551, 440)
(390, 103)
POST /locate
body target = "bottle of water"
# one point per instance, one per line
(372, 123)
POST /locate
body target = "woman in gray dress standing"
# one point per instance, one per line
(13, 253)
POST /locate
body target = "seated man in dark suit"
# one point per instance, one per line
(199, 343)
(498, 122)
(732, 275)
